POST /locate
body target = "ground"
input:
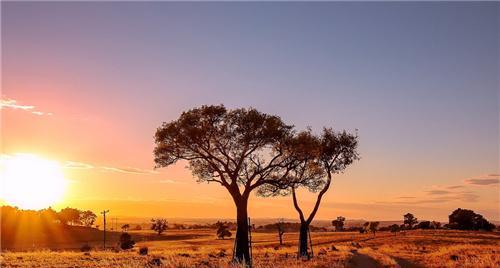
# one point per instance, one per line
(199, 248)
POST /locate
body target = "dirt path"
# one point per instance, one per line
(362, 261)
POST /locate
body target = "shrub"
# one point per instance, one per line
(126, 241)
(143, 251)
(85, 247)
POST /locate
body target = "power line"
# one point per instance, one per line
(104, 239)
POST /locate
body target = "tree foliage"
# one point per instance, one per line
(69, 216)
(465, 219)
(159, 225)
(87, 218)
(409, 220)
(339, 223)
(223, 230)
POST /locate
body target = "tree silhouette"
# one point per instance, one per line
(125, 227)
(223, 230)
(241, 149)
(159, 225)
(280, 226)
(48, 215)
(317, 159)
(69, 216)
(338, 223)
(373, 227)
(410, 220)
(465, 219)
(366, 227)
(87, 218)
(126, 241)
(394, 228)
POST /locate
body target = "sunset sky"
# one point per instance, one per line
(87, 84)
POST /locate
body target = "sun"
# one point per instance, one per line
(31, 182)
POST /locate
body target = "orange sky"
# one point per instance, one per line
(106, 172)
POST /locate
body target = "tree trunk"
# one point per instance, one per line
(242, 251)
(281, 238)
(303, 239)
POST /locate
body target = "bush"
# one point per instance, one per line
(85, 248)
(424, 225)
(126, 241)
(143, 251)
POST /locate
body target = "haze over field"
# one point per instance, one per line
(85, 85)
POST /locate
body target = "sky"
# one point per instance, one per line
(87, 84)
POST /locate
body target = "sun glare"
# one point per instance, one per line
(31, 182)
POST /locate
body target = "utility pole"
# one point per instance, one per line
(104, 241)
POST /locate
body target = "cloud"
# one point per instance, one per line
(167, 181)
(130, 170)
(406, 197)
(79, 165)
(6, 103)
(452, 187)
(489, 179)
(438, 192)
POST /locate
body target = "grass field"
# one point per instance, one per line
(199, 248)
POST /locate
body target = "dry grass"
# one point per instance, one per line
(413, 249)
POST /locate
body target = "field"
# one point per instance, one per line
(199, 248)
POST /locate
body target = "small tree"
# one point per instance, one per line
(410, 220)
(159, 225)
(125, 227)
(138, 227)
(373, 227)
(394, 228)
(48, 215)
(280, 226)
(126, 241)
(69, 216)
(338, 223)
(223, 230)
(87, 218)
(366, 227)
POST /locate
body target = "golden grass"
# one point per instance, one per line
(439, 248)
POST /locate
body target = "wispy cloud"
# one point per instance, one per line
(489, 179)
(6, 103)
(80, 165)
(130, 170)
(167, 181)
(438, 192)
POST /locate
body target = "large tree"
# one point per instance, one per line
(320, 157)
(240, 149)
(465, 219)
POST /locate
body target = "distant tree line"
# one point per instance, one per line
(67, 216)
(459, 219)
